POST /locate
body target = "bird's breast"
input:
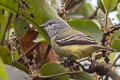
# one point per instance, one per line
(74, 51)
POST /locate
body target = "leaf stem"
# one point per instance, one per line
(46, 54)
(6, 28)
(29, 50)
(66, 73)
(106, 21)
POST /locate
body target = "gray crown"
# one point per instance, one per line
(54, 26)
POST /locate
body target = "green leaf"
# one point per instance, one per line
(2, 23)
(87, 27)
(118, 8)
(83, 11)
(100, 5)
(116, 44)
(86, 10)
(118, 16)
(101, 17)
(20, 66)
(52, 69)
(83, 77)
(109, 4)
(19, 26)
(15, 55)
(39, 39)
(41, 10)
(5, 55)
(112, 57)
(3, 73)
(12, 6)
(116, 34)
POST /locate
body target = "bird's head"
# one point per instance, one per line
(54, 26)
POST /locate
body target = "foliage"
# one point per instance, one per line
(88, 27)
(3, 76)
(54, 68)
(5, 55)
(19, 31)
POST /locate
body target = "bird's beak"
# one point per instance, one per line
(42, 26)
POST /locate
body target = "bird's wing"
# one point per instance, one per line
(74, 38)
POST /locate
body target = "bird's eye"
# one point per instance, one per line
(50, 23)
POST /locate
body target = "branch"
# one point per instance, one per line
(61, 74)
(113, 75)
(86, 58)
(93, 15)
(46, 54)
(6, 28)
(68, 2)
(115, 60)
(103, 69)
(100, 68)
(29, 50)
(112, 30)
(71, 3)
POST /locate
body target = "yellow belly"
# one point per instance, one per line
(75, 51)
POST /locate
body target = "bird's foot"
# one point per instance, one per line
(68, 62)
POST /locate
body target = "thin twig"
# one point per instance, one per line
(71, 3)
(80, 65)
(29, 50)
(93, 15)
(63, 10)
(112, 30)
(83, 59)
(106, 21)
(61, 74)
(68, 2)
(104, 69)
(86, 58)
(113, 75)
(118, 57)
(46, 54)
(6, 28)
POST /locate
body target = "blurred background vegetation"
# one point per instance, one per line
(25, 46)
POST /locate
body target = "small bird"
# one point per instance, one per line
(69, 42)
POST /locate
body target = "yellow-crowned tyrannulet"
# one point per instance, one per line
(69, 42)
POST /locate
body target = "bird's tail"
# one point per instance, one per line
(104, 48)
